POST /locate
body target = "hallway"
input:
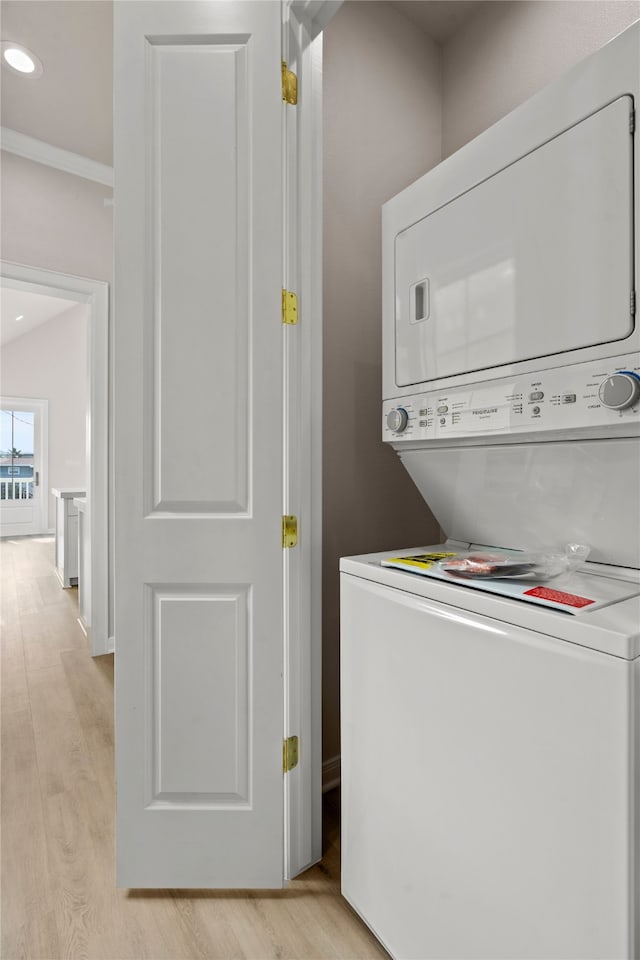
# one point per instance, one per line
(58, 892)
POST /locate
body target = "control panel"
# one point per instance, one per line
(566, 398)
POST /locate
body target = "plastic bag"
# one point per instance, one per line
(514, 565)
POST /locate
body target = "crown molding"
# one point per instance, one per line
(40, 152)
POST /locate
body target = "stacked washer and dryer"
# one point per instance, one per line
(491, 744)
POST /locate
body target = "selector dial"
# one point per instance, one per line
(397, 420)
(620, 390)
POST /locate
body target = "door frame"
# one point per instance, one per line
(94, 293)
(304, 21)
(302, 424)
(42, 407)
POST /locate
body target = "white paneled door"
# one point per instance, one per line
(198, 443)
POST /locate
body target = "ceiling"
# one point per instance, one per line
(439, 18)
(35, 308)
(71, 104)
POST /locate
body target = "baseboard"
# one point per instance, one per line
(331, 773)
(111, 645)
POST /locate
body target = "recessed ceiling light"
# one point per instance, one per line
(21, 317)
(18, 58)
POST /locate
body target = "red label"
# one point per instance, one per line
(569, 599)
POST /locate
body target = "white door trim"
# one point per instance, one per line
(95, 293)
(42, 463)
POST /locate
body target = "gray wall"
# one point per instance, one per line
(395, 104)
(382, 121)
(509, 50)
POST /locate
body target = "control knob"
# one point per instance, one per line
(397, 420)
(620, 390)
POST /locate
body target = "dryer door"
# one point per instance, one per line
(534, 261)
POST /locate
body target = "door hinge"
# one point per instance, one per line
(289, 307)
(632, 303)
(290, 754)
(289, 85)
(632, 121)
(289, 531)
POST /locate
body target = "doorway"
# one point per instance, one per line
(23, 459)
(32, 496)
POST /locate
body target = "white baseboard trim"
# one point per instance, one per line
(331, 773)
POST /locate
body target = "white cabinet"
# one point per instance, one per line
(67, 535)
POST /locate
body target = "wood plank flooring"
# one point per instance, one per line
(58, 892)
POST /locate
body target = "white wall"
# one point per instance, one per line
(509, 50)
(382, 116)
(54, 220)
(50, 363)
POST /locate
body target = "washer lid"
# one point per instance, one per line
(612, 628)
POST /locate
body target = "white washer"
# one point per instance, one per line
(489, 768)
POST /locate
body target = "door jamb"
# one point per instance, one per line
(95, 293)
(304, 21)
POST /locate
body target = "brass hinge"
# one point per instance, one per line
(290, 754)
(289, 307)
(289, 85)
(289, 531)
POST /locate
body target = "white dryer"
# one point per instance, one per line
(491, 747)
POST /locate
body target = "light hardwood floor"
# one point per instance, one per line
(58, 891)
